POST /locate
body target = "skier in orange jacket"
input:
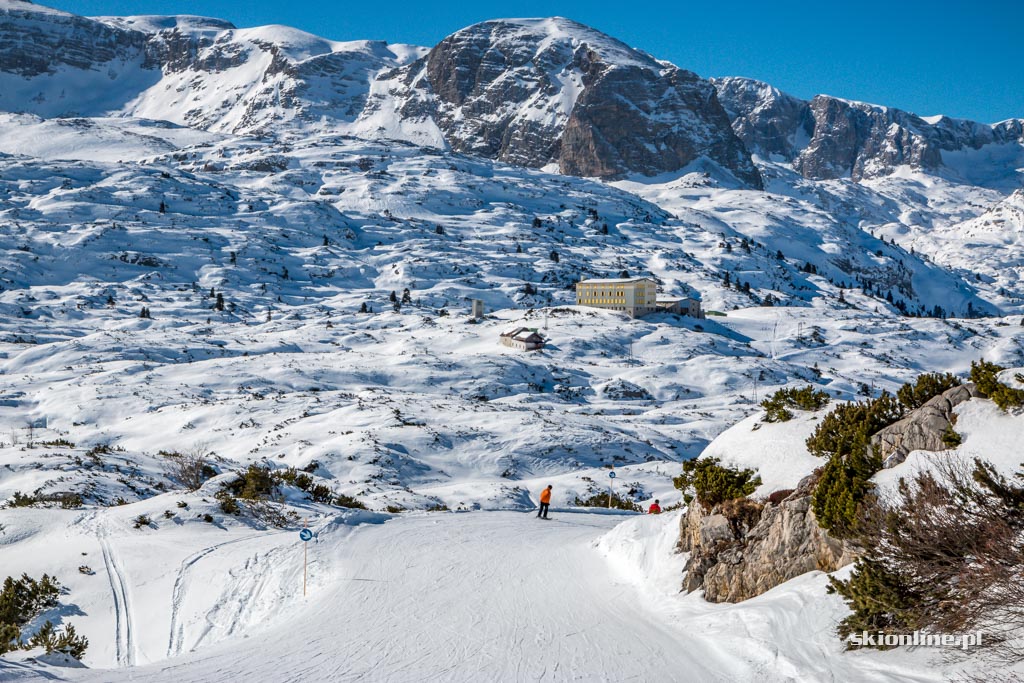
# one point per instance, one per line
(545, 502)
(654, 509)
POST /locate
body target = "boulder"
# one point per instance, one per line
(743, 548)
(923, 429)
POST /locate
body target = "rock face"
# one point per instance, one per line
(830, 138)
(532, 92)
(195, 71)
(743, 548)
(922, 430)
(535, 92)
(36, 40)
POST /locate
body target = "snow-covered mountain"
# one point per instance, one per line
(306, 221)
(829, 137)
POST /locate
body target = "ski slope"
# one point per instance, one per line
(494, 596)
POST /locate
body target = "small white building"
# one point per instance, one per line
(523, 339)
(685, 305)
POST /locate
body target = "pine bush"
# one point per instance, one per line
(844, 437)
(778, 404)
(986, 376)
(713, 483)
(600, 500)
(926, 387)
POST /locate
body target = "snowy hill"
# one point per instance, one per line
(305, 222)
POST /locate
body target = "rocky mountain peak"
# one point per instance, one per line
(830, 137)
(555, 93)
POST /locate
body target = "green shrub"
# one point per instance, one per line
(600, 500)
(20, 500)
(849, 426)
(713, 483)
(778, 404)
(57, 443)
(255, 483)
(844, 485)
(986, 376)
(10, 638)
(925, 388)
(879, 599)
(228, 503)
(24, 599)
(844, 437)
(344, 501)
(66, 641)
(21, 600)
(951, 438)
(319, 493)
(142, 521)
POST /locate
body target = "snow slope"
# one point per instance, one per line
(495, 596)
(250, 167)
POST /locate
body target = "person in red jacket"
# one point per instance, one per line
(654, 509)
(545, 502)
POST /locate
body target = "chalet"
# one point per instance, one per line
(685, 305)
(523, 339)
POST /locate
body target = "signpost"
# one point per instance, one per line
(306, 535)
(611, 486)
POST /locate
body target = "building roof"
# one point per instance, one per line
(673, 299)
(615, 280)
(524, 334)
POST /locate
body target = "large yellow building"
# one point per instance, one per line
(635, 296)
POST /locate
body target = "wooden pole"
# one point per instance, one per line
(305, 558)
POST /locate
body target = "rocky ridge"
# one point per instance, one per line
(828, 137)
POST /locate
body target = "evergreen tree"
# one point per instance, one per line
(554, 256)
(220, 302)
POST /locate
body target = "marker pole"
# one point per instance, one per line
(305, 558)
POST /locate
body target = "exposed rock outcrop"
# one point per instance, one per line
(829, 137)
(37, 40)
(743, 548)
(923, 429)
(535, 92)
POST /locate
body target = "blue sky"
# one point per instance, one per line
(946, 56)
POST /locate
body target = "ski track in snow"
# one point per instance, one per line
(492, 596)
(175, 640)
(124, 642)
